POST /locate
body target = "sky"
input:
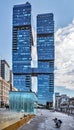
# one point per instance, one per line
(64, 37)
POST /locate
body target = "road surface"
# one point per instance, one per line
(44, 121)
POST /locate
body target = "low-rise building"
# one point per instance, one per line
(56, 100)
(4, 92)
(5, 70)
(71, 105)
(62, 102)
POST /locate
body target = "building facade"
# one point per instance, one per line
(61, 103)
(45, 50)
(57, 95)
(5, 82)
(4, 92)
(5, 70)
(21, 51)
(71, 105)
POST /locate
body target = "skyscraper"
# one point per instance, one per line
(45, 50)
(21, 50)
(21, 53)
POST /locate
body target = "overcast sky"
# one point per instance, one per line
(64, 36)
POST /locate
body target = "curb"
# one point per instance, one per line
(19, 123)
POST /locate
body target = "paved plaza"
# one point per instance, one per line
(8, 117)
(44, 121)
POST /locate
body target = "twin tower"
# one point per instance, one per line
(23, 72)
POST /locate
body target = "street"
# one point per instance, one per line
(44, 121)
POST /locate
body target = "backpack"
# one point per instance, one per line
(60, 121)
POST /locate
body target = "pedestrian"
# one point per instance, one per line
(58, 122)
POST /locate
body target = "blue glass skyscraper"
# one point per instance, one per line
(21, 52)
(45, 50)
(21, 49)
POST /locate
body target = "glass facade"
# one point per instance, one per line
(45, 50)
(21, 52)
(22, 41)
(23, 101)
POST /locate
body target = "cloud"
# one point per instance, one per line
(64, 56)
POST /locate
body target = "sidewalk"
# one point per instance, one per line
(69, 114)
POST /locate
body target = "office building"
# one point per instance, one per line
(21, 51)
(5, 70)
(45, 50)
(5, 83)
